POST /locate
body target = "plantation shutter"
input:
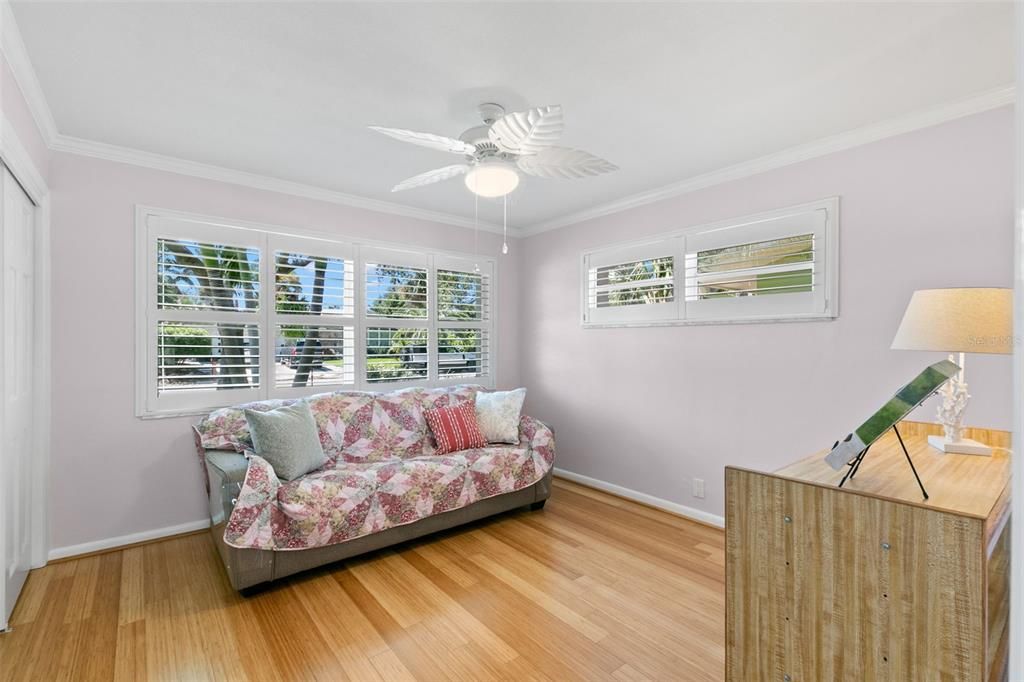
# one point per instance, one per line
(774, 266)
(203, 333)
(231, 314)
(397, 310)
(313, 321)
(763, 269)
(463, 319)
(632, 284)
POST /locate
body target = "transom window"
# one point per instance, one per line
(774, 266)
(640, 282)
(229, 314)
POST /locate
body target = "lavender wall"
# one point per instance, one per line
(114, 474)
(651, 408)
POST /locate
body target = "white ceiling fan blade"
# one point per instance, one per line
(528, 132)
(430, 177)
(439, 142)
(563, 162)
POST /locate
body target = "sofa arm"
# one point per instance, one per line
(539, 437)
(225, 473)
(252, 511)
(229, 465)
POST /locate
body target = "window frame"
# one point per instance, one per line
(151, 224)
(744, 310)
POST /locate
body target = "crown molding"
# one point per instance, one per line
(985, 101)
(872, 133)
(13, 49)
(170, 164)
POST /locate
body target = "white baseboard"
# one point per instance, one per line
(130, 539)
(156, 534)
(674, 507)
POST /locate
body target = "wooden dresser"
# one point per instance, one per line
(869, 581)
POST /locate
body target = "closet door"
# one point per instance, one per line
(17, 325)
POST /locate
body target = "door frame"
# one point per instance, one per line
(16, 158)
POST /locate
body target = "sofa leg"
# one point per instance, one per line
(537, 506)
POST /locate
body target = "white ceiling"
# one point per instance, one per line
(666, 91)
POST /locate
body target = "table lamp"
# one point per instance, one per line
(971, 320)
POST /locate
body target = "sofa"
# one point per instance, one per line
(383, 482)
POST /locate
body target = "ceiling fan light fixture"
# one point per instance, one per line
(497, 153)
(492, 180)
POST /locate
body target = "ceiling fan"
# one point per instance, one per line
(497, 151)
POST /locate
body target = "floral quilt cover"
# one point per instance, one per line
(381, 470)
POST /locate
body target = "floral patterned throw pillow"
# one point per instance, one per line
(497, 414)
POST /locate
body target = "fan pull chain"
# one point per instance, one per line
(504, 234)
(476, 227)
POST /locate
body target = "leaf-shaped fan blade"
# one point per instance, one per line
(430, 177)
(439, 142)
(562, 162)
(528, 132)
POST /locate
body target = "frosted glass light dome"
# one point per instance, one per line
(493, 179)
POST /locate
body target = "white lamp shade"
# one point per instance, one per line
(971, 320)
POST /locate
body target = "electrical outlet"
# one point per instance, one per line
(698, 488)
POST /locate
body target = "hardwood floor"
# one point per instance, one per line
(592, 587)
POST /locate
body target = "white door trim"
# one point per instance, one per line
(17, 159)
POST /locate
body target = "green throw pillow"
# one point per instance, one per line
(288, 439)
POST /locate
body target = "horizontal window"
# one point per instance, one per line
(635, 283)
(222, 307)
(774, 266)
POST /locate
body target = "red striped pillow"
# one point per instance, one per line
(455, 427)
